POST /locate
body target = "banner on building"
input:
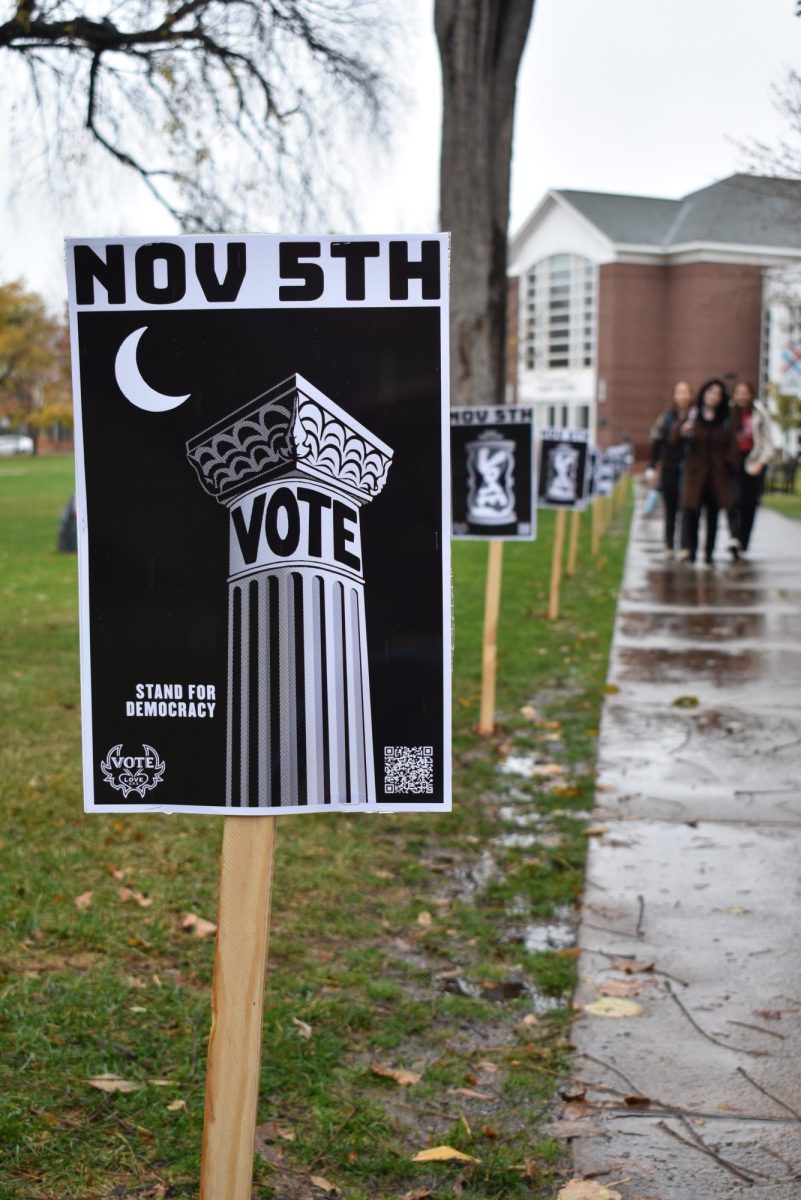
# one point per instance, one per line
(492, 472)
(262, 481)
(564, 474)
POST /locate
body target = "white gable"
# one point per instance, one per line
(555, 227)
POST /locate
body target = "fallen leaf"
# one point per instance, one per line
(595, 831)
(471, 1093)
(545, 770)
(686, 702)
(113, 1083)
(587, 1189)
(383, 874)
(176, 1105)
(271, 1131)
(330, 1189)
(199, 926)
(529, 712)
(424, 918)
(125, 894)
(488, 1067)
(735, 910)
(401, 1077)
(575, 1091)
(419, 1194)
(613, 1006)
(769, 1014)
(443, 1154)
(303, 1029)
(631, 966)
(637, 1101)
(83, 901)
(530, 1019)
(161, 1082)
(611, 689)
(621, 987)
(488, 1131)
(115, 872)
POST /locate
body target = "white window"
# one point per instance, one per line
(559, 328)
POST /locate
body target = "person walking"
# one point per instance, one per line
(755, 449)
(710, 460)
(667, 452)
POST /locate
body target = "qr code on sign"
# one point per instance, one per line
(409, 769)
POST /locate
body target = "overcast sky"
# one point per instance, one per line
(638, 96)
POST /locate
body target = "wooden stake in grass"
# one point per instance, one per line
(556, 564)
(489, 650)
(237, 1005)
(572, 547)
(596, 526)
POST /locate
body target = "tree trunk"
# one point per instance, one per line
(480, 44)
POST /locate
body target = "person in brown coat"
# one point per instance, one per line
(710, 461)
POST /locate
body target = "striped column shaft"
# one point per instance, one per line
(299, 726)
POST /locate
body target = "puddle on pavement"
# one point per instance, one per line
(692, 586)
(696, 626)
(778, 667)
(660, 665)
(712, 626)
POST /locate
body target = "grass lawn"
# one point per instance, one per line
(414, 942)
(788, 505)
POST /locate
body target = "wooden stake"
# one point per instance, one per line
(572, 548)
(237, 1007)
(489, 650)
(556, 563)
(596, 526)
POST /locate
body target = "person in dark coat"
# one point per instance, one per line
(710, 460)
(667, 452)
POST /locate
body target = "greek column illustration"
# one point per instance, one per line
(490, 480)
(294, 470)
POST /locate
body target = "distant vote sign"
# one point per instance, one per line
(564, 468)
(492, 466)
(262, 481)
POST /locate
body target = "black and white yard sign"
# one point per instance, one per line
(604, 474)
(262, 481)
(492, 467)
(564, 462)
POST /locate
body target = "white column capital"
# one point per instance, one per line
(291, 431)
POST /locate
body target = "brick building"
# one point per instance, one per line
(616, 298)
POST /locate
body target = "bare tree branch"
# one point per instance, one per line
(214, 104)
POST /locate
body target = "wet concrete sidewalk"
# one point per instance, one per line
(697, 1094)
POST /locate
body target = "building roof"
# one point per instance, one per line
(750, 210)
(628, 219)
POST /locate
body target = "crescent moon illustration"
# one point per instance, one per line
(131, 383)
